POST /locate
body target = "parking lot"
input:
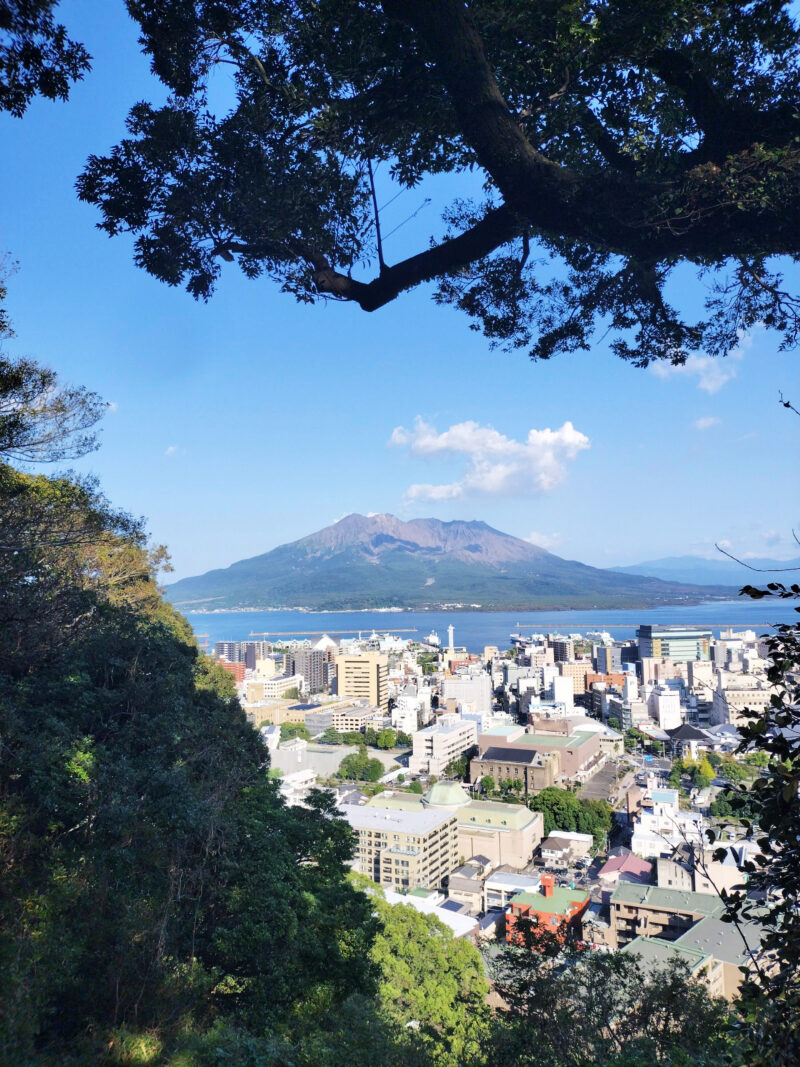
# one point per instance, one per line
(599, 785)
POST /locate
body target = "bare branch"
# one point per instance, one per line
(764, 570)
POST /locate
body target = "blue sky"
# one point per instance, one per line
(251, 421)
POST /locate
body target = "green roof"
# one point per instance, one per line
(446, 795)
(495, 814)
(654, 952)
(656, 896)
(557, 904)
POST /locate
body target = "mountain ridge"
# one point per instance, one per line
(379, 560)
(727, 572)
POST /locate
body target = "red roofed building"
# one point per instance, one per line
(553, 910)
(627, 868)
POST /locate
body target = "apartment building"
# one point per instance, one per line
(654, 953)
(404, 849)
(350, 718)
(734, 693)
(437, 746)
(553, 910)
(578, 672)
(273, 688)
(310, 663)
(489, 831)
(364, 677)
(472, 689)
(653, 911)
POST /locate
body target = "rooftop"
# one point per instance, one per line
(722, 940)
(503, 730)
(446, 728)
(656, 896)
(629, 864)
(460, 924)
(513, 880)
(559, 903)
(687, 732)
(654, 952)
(580, 737)
(446, 795)
(512, 755)
(496, 814)
(397, 801)
(421, 821)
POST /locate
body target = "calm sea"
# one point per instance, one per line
(475, 629)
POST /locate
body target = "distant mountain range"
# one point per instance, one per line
(379, 561)
(697, 571)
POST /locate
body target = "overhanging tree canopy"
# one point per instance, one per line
(617, 141)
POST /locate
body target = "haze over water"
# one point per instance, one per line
(475, 629)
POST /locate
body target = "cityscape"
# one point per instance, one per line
(447, 767)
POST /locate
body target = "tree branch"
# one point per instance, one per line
(530, 182)
(495, 229)
(697, 92)
(765, 570)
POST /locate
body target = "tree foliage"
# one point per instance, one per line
(294, 729)
(360, 767)
(567, 1009)
(154, 889)
(564, 810)
(36, 55)
(386, 739)
(433, 983)
(772, 993)
(616, 142)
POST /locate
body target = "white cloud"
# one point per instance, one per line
(712, 372)
(544, 540)
(172, 450)
(706, 422)
(496, 465)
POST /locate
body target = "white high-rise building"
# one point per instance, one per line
(664, 705)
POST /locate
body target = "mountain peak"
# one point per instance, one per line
(380, 560)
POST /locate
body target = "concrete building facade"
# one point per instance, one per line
(404, 850)
(437, 746)
(364, 678)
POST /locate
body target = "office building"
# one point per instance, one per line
(608, 659)
(364, 678)
(677, 643)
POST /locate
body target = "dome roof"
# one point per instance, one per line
(446, 795)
